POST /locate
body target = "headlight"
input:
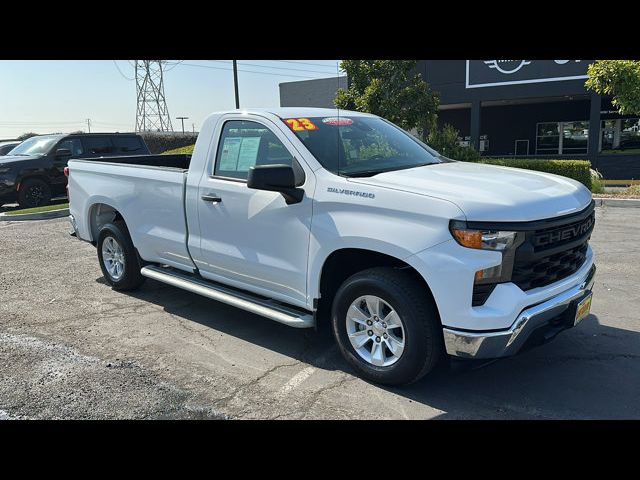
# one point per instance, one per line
(483, 239)
(502, 241)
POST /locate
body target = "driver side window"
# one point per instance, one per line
(244, 144)
(73, 145)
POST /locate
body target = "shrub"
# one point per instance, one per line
(579, 170)
(445, 141)
(597, 185)
(159, 142)
(633, 190)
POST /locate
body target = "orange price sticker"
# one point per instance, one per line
(300, 124)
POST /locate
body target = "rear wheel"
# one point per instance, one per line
(387, 326)
(118, 259)
(34, 193)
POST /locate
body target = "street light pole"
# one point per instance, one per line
(182, 119)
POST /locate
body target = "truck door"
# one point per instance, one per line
(59, 161)
(252, 239)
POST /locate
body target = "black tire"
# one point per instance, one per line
(423, 341)
(34, 193)
(130, 279)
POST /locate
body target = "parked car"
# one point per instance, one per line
(306, 216)
(33, 173)
(6, 147)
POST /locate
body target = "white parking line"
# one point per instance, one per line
(296, 380)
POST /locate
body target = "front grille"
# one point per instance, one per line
(552, 249)
(549, 269)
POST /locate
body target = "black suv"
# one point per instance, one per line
(33, 172)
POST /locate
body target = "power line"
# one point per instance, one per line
(277, 68)
(120, 71)
(26, 124)
(301, 63)
(246, 71)
(174, 65)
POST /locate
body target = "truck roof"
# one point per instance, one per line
(97, 134)
(291, 112)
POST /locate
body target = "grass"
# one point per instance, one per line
(620, 152)
(187, 149)
(46, 208)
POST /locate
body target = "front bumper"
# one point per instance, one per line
(547, 318)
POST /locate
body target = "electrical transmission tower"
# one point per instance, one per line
(152, 113)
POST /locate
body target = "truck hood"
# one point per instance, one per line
(489, 192)
(8, 159)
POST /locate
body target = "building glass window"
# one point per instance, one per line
(562, 138)
(620, 136)
(548, 139)
(575, 137)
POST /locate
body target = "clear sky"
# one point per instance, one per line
(59, 95)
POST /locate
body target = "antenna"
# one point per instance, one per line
(152, 113)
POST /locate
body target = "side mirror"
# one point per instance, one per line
(63, 152)
(276, 178)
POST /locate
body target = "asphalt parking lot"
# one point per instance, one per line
(70, 347)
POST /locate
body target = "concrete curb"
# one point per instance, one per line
(617, 202)
(64, 212)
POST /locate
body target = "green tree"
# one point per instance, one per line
(24, 136)
(445, 141)
(392, 89)
(619, 79)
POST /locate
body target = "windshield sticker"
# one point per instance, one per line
(300, 124)
(337, 121)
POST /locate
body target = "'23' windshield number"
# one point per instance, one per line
(300, 124)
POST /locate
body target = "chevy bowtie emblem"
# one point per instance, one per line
(507, 66)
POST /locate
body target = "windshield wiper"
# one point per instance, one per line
(366, 173)
(371, 173)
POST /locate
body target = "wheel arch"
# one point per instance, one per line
(344, 262)
(99, 214)
(32, 176)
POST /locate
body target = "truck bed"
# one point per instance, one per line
(148, 192)
(179, 160)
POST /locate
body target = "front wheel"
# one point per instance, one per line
(34, 193)
(117, 256)
(387, 326)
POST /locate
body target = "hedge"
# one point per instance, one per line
(579, 170)
(159, 142)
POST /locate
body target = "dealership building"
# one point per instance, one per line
(517, 109)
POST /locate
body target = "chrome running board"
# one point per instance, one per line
(246, 301)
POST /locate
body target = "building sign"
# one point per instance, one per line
(493, 73)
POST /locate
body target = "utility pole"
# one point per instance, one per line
(235, 82)
(193, 127)
(89, 125)
(182, 119)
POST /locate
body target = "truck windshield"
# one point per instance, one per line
(360, 146)
(35, 146)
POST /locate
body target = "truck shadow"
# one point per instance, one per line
(591, 371)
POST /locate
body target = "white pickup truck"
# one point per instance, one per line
(306, 216)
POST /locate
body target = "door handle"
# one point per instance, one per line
(213, 198)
